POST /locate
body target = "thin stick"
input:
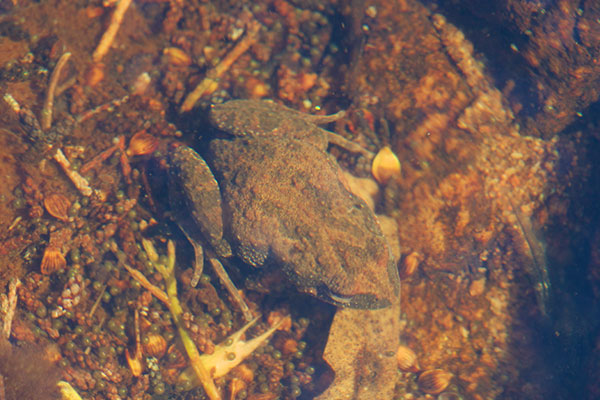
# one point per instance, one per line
(210, 83)
(13, 104)
(97, 302)
(539, 268)
(9, 306)
(109, 107)
(138, 335)
(49, 103)
(14, 223)
(99, 159)
(79, 181)
(135, 362)
(111, 31)
(156, 291)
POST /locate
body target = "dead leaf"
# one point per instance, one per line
(361, 351)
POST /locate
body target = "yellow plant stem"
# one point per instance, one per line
(168, 273)
(138, 276)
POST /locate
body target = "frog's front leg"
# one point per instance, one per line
(346, 144)
(183, 162)
(195, 201)
(266, 118)
(198, 256)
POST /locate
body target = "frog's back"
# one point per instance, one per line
(286, 201)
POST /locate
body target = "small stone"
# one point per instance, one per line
(385, 166)
(477, 287)
(371, 11)
(410, 264)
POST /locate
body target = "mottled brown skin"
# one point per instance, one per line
(284, 201)
(196, 199)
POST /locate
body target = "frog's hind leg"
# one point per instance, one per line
(320, 119)
(332, 137)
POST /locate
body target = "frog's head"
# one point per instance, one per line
(347, 271)
(376, 287)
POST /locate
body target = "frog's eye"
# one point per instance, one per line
(365, 301)
(333, 297)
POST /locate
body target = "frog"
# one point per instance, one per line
(270, 193)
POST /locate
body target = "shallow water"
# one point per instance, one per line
(493, 116)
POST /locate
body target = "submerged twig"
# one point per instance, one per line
(210, 83)
(156, 291)
(79, 181)
(97, 302)
(15, 223)
(539, 270)
(8, 306)
(99, 159)
(12, 103)
(109, 35)
(135, 362)
(49, 102)
(108, 106)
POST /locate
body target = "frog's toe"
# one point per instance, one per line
(222, 247)
(255, 256)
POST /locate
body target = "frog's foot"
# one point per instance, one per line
(228, 354)
(230, 286)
